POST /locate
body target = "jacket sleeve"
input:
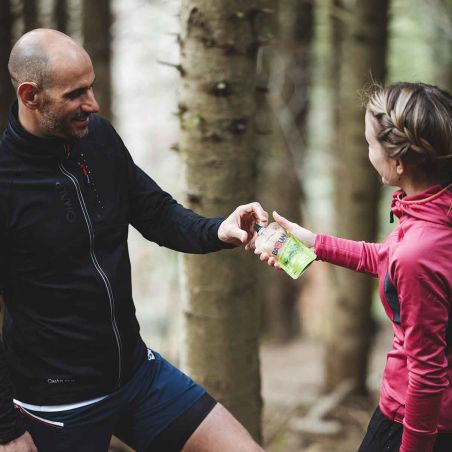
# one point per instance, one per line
(11, 425)
(161, 219)
(424, 313)
(358, 256)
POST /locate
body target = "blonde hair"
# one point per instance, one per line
(415, 124)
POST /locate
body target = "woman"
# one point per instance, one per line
(408, 128)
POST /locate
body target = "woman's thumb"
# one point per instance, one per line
(281, 220)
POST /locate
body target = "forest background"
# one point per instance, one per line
(228, 101)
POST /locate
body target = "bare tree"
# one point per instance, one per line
(6, 91)
(440, 14)
(30, 14)
(96, 30)
(219, 43)
(356, 188)
(60, 15)
(337, 30)
(289, 68)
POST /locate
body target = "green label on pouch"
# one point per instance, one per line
(294, 257)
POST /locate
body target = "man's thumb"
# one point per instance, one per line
(239, 234)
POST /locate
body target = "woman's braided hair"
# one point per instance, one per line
(415, 121)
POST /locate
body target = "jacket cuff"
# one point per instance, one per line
(417, 442)
(213, 234)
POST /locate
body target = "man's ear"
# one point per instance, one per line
(28, 94)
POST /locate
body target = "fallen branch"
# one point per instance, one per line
(314, 421)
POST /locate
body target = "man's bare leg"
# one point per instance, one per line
(221, 432)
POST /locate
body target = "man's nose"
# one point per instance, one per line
(90, 105)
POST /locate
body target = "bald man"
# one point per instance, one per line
(74, 369)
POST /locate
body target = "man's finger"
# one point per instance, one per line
(260, 214)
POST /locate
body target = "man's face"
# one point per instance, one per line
(68, 100)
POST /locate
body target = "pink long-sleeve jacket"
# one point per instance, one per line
(414, 268)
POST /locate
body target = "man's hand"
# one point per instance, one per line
(238, 228)
(22, 444)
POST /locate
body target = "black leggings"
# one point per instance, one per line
(384, 435)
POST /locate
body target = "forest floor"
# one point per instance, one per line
(292, 387)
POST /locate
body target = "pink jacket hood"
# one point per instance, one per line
(433, 205)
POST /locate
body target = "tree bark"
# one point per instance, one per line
(96, 29)
(219, 43)
(30, 15)
(60, 15)
(443, 42)
(357, 190)
(337, 27)
(6, 90)
(280, 186)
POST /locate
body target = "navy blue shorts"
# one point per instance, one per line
(158, 410)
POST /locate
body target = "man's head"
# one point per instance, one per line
(53, 77)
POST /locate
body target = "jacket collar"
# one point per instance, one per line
(433, 205)
(31, 146)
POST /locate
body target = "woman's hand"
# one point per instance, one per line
(305, 236)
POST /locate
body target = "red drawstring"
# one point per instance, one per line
(84, 171)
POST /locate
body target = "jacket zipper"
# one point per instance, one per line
(99, 269)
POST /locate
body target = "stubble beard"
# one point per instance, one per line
(54, 126)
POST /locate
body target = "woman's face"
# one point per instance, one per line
(386, 167)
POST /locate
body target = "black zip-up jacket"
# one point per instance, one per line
(70, 331)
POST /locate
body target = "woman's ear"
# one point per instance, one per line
(400, 167)
(28, 94)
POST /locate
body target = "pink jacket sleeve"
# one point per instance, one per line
(424, 311)
(358, 256)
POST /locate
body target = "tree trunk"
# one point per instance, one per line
(443, 42)
(337, 26)
(280, 186)
(30, 14)
(219, 44)
(6, 90)
(96, 25)
(357, 191)
(60, 15)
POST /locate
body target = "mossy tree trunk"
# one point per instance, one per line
(219, 42)
(357, 189)
(96, 30)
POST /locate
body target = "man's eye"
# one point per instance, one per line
(74, 94)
